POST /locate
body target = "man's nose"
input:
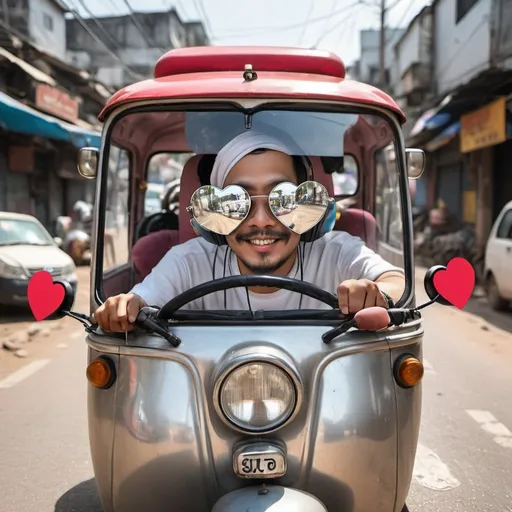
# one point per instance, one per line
(260, 214)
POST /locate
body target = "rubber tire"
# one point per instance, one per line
(492, 292)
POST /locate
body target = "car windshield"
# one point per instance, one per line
(351, 153)
(21, 231)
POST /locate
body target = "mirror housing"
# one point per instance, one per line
(67, 302)
(428, 283)
(58, 240)
(415, 162)
(87, 162)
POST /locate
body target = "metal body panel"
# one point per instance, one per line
(408, 425)
(271, 498)
(172, 450)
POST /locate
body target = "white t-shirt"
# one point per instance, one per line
(334, 258)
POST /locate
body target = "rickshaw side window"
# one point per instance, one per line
(163, 182)
(116, 241)
(345, 174)
(388, 206)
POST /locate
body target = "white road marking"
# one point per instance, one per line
(491, 425)
(62, 345)
(428, 368)
(79, 334)
(23, 373)
(431, 472)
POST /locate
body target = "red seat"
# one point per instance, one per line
(359, 223)
(150, 249)
(354, 221)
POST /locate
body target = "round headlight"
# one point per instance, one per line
(258, 396)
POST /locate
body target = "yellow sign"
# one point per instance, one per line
(483, 127)
(469, 207)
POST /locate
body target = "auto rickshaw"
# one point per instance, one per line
(298, 410)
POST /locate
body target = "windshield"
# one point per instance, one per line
(18, 232)
(349, 154)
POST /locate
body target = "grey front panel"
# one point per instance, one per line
(172, 451)
(356, 421)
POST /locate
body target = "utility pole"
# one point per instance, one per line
(382, 45)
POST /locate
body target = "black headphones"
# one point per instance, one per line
(323, 227)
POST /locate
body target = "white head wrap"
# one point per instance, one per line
(246, 143)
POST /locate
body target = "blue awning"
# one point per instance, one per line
(19, 118)
(444, 137)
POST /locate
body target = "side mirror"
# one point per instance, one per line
(428, 283)
(58, 240)
(87, 162)
(415, 162)
(67, 302)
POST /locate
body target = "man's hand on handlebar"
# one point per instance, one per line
(357, 294)
(119, 313)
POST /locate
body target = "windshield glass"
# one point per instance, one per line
(349, 155)
(20, 231)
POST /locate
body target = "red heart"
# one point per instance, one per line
(456, 283)
(44, 296)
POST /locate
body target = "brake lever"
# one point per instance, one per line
(397, 317)
(85, 320)
(146, 319)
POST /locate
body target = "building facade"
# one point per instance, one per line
(48, 109)
(40, 21)
(136, 41)
(461, 116)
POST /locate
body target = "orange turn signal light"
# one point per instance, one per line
(101, 372)
(408, 371)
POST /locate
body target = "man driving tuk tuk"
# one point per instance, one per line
(255, 237)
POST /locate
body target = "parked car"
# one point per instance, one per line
(498, 261)
(153, 199)
(26, 247)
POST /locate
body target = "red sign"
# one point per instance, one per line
(56, 102)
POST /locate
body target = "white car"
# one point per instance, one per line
(498, 261)
(26, 247)
(153, 198)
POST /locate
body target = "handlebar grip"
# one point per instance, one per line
(145, 318)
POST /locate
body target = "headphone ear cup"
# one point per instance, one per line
(326, 225)
(208, 235)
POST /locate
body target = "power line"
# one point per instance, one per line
(310, 12)
(96, 22)
(202, 10)
(337, 26)
(114, 6)
(286, 28)
(102, 43)
(406, 12)
(140, 27)
(330, 15)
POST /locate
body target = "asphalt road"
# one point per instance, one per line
(464, 461)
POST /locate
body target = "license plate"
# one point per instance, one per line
(265, 463)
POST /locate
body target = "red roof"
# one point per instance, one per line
(217, 72)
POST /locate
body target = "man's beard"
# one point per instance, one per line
(266, 266)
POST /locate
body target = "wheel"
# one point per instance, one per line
(496, 301)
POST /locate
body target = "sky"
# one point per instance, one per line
(326, 24)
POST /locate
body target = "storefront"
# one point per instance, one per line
(483, 142)
(33, 150)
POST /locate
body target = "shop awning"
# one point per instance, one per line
(19, 118)
(35, 73)
(444, 137)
